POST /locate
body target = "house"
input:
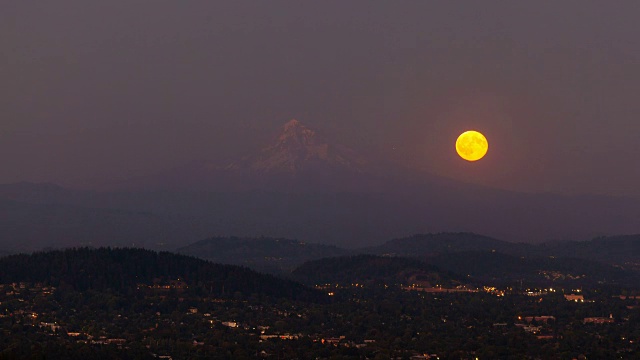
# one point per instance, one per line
(574, 297)
(423, 356)
(532, 329)
(333, 341)
(116, 341)
(598, 320)
(53, 326)
(539, 319)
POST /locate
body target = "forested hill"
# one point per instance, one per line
(370, 268)
(121, 270)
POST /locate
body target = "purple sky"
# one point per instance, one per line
(114, 89)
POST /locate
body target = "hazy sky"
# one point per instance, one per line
(112, 89)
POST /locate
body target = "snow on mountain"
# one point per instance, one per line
(298, 159)
(299, 149)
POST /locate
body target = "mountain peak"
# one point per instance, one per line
(292, 125)
(295, 132)
(299, 148)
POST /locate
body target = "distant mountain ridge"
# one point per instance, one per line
(282, 255)
(265, 254)
(437, 243)
(304, 186)
(32, 226)
(340, 218)
(614, 249)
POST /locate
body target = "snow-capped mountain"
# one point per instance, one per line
(298, 159)
(302, 186)
(297, 150)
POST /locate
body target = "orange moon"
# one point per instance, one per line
(472, 145)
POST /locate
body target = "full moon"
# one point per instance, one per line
(472, 145)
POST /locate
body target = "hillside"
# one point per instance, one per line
(502, 268)
(121, 270)
(280, 256)
(425, 245)
(612, 249)
(264, 254)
